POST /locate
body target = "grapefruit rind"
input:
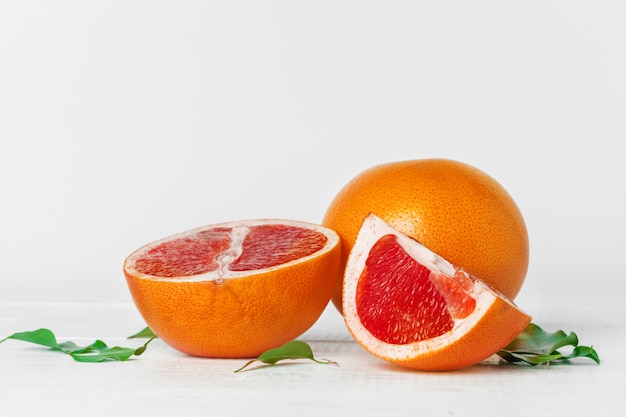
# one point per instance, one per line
(495, 318)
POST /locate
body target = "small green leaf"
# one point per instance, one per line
(536, 346)
(43, 337)
(292, 350)
(141, 349)
(98, 351)
(584, 352)
(104, 355)
(146, 333)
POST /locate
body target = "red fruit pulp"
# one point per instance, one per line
(262, 246)
(269, 245)
(401, 301)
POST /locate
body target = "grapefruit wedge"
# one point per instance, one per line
(236, 289)
(407, 305)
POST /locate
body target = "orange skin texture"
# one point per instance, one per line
(241, 317)
(452, 208)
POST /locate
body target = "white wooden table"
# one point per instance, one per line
(166, 382)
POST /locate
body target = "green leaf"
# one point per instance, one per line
(143, 334)
(98, 351)
(536, 346)
(292, 350)
(584, 352)
(42, 337)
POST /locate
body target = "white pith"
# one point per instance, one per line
(239, 230)
(373, 229)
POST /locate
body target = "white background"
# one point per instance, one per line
(122, 122)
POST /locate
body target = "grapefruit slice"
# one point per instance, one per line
(407, 305)
(236, 289)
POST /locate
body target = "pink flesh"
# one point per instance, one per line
(191, 255)
(276, 244)
(397, 300)
(264, 246)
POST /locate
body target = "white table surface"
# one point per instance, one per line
(166, 382)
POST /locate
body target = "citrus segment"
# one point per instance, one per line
(390, 295)
(408, 305)
(270, 245)
(234, 289)
(191, 255)
(455, 209)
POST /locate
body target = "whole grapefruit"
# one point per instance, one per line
(452, 208)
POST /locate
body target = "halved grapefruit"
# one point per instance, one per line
(409, 306)
(236, 289)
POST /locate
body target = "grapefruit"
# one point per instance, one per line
(235, 289)
(409, 306)
(452, 208)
